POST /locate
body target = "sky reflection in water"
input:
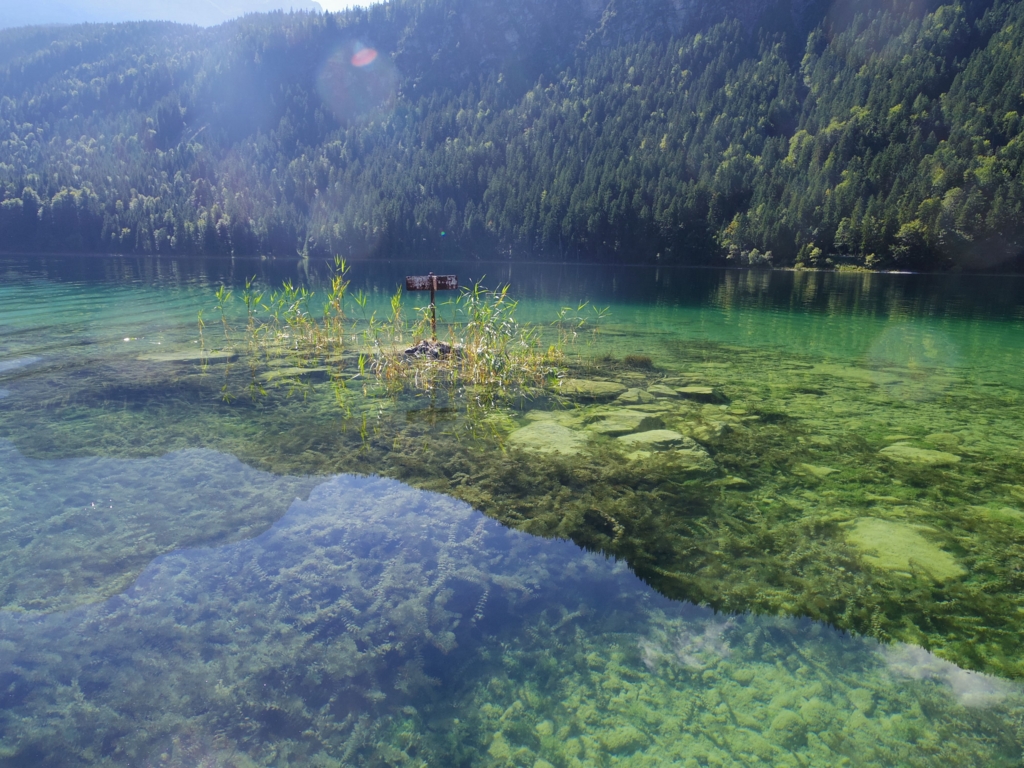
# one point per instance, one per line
(374, 609)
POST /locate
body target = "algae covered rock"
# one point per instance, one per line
(570, 418)
(734, 483)
(190, 355)
(700, 394)
(813, 470)
(788, 729)
(901, 547)
(710, 430)
(623, 740)
(866, 376)
(684, 452)
(818, 714)
(589, 389)
(693, 460)
(547, 437)
(904, 453)
(657, 440)
(500, 750)
(943, 440)
(292, 373)
(622, 421)
(862, 699)
(634, 396)
(661, 390)
(499, 422)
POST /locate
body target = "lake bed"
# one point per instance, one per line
(733, 553)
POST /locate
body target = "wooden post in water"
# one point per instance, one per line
(432, 283)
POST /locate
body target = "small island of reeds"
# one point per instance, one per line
(480, 346)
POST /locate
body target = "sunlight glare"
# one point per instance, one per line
(356, 82)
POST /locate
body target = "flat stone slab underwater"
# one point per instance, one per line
(377, 624)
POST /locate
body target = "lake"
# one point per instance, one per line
(761, 518)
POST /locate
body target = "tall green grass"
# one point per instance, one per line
(482, 348)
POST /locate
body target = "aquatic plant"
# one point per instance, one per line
(640, 362)
(485, 349)
(800, 445)
(379, 625)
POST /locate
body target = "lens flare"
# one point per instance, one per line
(364, 56)
(356, 82)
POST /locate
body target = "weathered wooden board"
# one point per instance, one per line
(423, 282)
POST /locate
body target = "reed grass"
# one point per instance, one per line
(481, 348)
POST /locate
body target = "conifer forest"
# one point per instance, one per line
(885, 134)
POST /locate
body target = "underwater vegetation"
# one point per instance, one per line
(88, 536)
(485, 349)
(633, 360)
(881, 493)
(378, 625)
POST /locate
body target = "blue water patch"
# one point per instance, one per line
(79, 530)
(375, 622)
(18, 362)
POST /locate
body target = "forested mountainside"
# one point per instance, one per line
(885, 133)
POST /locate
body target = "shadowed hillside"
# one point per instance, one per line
(885, 134)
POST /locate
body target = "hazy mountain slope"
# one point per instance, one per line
(202, 12)
(637, 130)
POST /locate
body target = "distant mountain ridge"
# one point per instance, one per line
(746, 131)
(201, 12)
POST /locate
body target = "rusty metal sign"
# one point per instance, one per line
(426, 282)
(432, 282)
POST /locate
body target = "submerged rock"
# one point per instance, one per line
(547, 437)
(622, 421)
(711, 430)
(624, 740)
(701, 394)
(634, 396)
(660, 407)
(901, 547)
(694, 459)
(689, 460)
(433, 349)
(905, 453)
(588, 389)
(191, 355)
(661, 390)
(657, 440)
(736, 483)
(290, 373)
(813, 470)
(571, 418)
(868, 376)
(788, 729)
(499, 422)
(943, 440)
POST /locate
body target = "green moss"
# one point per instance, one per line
(909, 454)
(902, 548)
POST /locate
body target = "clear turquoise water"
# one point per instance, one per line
(190, 581)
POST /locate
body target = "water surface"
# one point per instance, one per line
(194, 576)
